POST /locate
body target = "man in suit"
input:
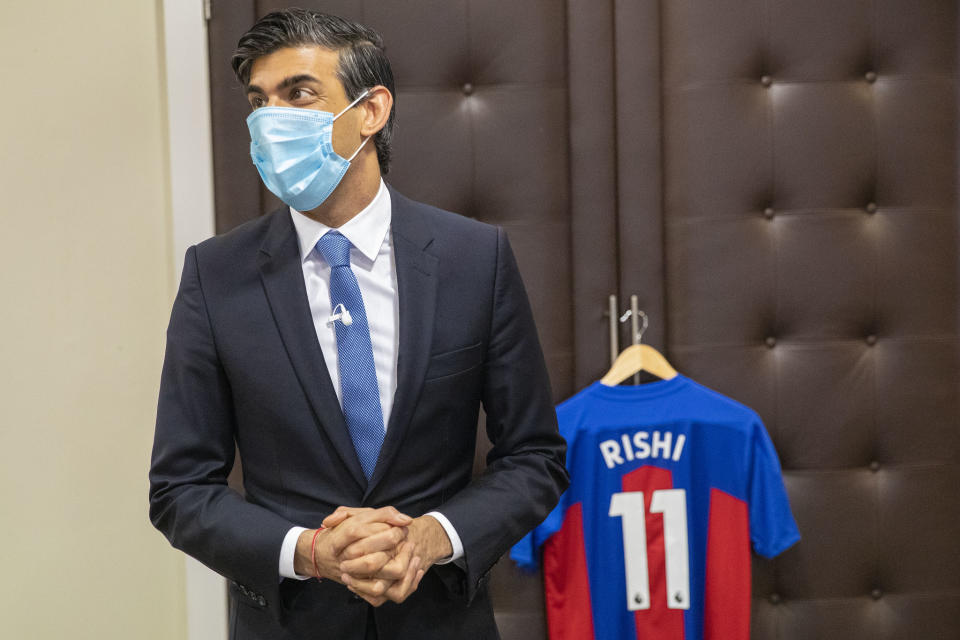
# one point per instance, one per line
(344, 345)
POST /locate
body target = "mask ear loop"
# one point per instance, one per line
(365, 141)
(351, 106)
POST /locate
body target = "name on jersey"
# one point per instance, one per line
(643, 445)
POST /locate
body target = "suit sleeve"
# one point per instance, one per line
(193, 452)
(525, 472)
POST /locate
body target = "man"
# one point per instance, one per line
(345, 344)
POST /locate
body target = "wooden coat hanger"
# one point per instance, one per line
(636, 358)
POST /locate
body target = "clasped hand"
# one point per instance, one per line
(379, 554)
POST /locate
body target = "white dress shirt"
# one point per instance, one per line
(372, 262)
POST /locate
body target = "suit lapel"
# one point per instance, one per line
(282, 276)
(416, 289)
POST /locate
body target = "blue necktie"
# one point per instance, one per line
(359, 394)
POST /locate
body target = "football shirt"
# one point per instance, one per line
(671, 485)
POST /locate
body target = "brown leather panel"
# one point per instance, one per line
(824, 147)
(639, 174)
(592, 179)
(820, 40)
(918, 379)
(853, 618)
(915, 249)
(916, 141)
(434, 144)
(838, 555)
(519, 43)
(919, 554)
(717, 150)
(718, 293)
(825, 411)
(810, 180)
(916, 37)
(709, 42)
(777, 181)
(236, 184)
(824, 294)
(520, 154)
(438, 61)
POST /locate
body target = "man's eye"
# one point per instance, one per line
(256, 102)
(299, 94)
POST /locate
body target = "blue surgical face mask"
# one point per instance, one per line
(293, 151)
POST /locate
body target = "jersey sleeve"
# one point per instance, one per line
(772, 527)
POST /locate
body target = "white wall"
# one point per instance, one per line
(86, 265)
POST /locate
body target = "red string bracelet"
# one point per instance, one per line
(313, 552)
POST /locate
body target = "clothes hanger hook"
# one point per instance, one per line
(643, 316)
(643, 327)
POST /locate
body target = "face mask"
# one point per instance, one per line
(293, 151)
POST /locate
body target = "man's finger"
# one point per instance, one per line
(388, 515)
(394, 517)
(341, 514)
(370, 565)
(401, 590)
(352, 530)
(364, 587)
(395, 568)
(388, 540)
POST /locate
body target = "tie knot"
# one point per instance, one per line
(335, 249)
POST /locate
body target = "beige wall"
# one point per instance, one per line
(85, 271)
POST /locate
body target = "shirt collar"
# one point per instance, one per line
(365, 231)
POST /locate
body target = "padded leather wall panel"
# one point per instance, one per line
(639, 170)
(593, 179)
(810, 218)
(777, 181)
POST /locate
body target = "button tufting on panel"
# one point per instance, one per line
(768, 213)
(766, 81)
(771, 342)
(871, 207)
(874, 465)
(871, 339)
(870, 76)
(467, 89)
(876, 594)
(774, 598)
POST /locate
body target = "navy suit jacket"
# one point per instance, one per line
(243, 368)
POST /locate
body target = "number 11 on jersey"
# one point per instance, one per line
(672, 503)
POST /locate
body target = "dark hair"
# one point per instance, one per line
(363, 62)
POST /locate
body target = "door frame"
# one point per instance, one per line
(190, 166)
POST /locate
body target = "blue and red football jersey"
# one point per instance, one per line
(671, 485)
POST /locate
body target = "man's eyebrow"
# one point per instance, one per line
(286, 82)
(297, 79)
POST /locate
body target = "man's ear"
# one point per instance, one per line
(376, 109)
